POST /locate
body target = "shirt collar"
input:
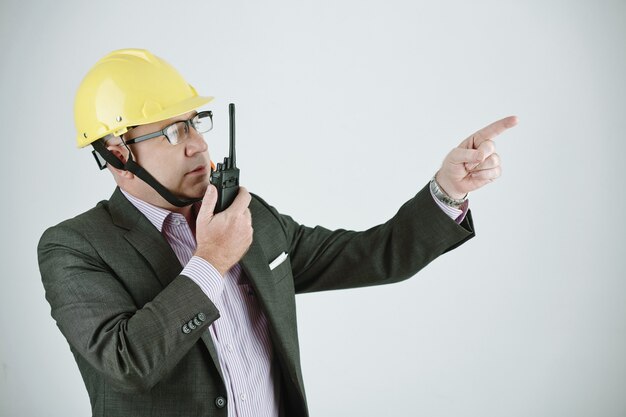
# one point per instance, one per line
(156, 215)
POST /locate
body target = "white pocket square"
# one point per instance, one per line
(279, 260)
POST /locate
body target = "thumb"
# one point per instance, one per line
(208, 202)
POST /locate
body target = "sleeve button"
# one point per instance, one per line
(186, 329)
(220, 402)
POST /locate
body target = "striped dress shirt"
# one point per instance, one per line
(241, 334)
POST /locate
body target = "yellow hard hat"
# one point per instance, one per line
(130, 87)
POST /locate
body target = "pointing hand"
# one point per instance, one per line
(474, 162)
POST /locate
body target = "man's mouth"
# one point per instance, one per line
(201, 169)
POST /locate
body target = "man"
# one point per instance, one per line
(171, 309)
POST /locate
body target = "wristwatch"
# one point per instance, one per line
(443, 197)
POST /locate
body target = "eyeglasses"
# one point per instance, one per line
(177, 132)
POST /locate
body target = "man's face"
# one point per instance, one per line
(184, 169)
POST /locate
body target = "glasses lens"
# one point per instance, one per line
(177, 132)
(203, 122)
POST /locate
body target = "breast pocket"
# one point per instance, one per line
(282, 270)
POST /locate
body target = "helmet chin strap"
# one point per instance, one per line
(145, 176)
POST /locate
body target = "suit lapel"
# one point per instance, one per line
(254, 264)
(281, 320)
(145, 238)
(154, 248)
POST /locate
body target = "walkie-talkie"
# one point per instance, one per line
(226, 175)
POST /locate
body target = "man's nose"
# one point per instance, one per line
(195, 143)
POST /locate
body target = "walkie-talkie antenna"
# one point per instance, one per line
(231, 158)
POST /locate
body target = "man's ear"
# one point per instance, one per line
(121, 153)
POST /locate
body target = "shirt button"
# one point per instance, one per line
(176, 222)
(229, 347)
(220, 402)
(243, 396)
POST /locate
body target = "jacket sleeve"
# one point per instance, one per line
(419, 232)
(132, 345)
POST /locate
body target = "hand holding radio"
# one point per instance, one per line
(223, 238)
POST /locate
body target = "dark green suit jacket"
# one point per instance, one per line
(116, 293)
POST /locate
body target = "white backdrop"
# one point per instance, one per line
(345, 109)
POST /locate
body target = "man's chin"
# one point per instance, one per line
(197, 191)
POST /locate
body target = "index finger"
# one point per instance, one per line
(242, 201)
(491, 131)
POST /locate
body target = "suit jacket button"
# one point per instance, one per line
(186, 329)
(220, 402)
(191, 325)
(196, 321)
(201, 317)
